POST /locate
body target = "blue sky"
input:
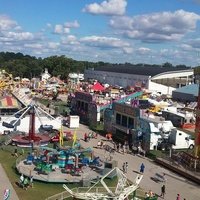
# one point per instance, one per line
(116, 31)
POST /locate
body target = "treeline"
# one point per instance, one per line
(28, 66)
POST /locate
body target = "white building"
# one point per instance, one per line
(45, 76)
(75, 78)
(158, 79)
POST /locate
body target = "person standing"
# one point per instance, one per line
(117, 147)
(163, 191)
(21, 180)
(15, 152)
(85, 137)
(31, 181)
(142, 168)
(25, 185)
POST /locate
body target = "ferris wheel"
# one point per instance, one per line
(122, 190)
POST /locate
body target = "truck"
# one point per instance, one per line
(180, 140)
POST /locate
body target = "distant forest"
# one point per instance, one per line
(28, 66)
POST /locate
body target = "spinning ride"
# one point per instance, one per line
(32, 138)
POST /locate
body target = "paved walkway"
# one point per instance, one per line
(5, 184)
(175, 184)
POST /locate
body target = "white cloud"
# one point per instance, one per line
(33, 46)
(104, 42)
(186, 47)
(6, 23)
(127, 50)
(143, 50)
(16, 36)
(66, 30)
(58, 29)
(157, 27)
(18, 28)
(73, 24)
(70, 39)
(107, 7)
(53, 45)
(61, 29)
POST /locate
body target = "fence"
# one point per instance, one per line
(179, 164)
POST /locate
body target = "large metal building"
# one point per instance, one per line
(153, 78)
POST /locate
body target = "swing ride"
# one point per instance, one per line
(38, 119)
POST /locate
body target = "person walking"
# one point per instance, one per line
(126, 167)
(163, 191)
(142, 168)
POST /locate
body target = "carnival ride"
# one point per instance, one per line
(61, 164)
(38, 118)
(69, 161)
(6, 81)
(122, 190)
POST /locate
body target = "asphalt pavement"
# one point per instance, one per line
(175, 184)
(5, 184)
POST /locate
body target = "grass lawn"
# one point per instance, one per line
(39, 192)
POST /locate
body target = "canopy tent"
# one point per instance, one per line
(97, 87)
(9, 102)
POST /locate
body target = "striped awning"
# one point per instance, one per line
(9, 102)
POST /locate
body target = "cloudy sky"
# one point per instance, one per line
(116, 31)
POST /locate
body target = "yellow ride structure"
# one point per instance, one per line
(6, 82)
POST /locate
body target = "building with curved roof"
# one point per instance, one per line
(153, 78)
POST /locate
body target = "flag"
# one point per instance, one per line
(74, 138)
(61, 136)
